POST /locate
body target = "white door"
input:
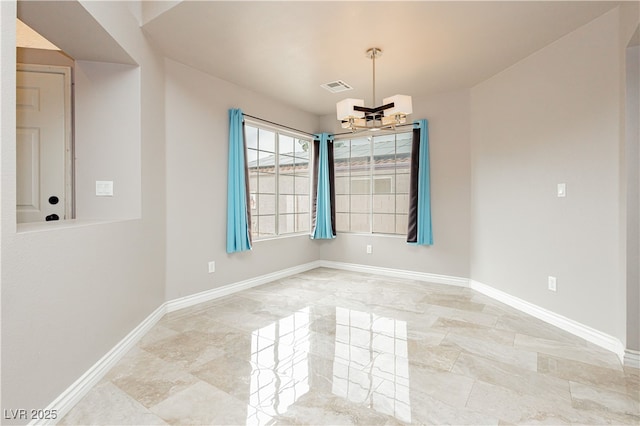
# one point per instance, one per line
(43, 143)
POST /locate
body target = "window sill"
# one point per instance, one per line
(372, 234)
(23, 228)
(282, 237)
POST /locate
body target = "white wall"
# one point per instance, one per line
(553, 118)
(197, 127)
(70, 292)
(448, 116)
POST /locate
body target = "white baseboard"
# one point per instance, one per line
(398, 273)
(632, 358)
(74, 393)
(590, 334)
(205, 296)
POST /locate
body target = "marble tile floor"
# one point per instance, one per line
(333, 347)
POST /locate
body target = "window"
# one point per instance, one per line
(372, 183)
(279, 183)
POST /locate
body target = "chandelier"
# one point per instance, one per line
(355, 116)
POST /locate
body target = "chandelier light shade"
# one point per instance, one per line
(401, 105)
(345, 109)
(355, 116)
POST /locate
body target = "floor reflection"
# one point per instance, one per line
(371, 365)
(279, 355)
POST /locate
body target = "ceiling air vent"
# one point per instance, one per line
(336, 86)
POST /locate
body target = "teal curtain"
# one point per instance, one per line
(419, 231)
(324, 208)
(238, 214)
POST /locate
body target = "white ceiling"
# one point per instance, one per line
(286, 49)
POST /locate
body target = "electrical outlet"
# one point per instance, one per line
(552, 283)
(369, 249)
(212, 266)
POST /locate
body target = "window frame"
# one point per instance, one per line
(371, 177)
(278, 131)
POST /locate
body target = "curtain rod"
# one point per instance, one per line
(307, 133)
(366, 130)
(278, 124)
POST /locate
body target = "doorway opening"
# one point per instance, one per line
(44, 132)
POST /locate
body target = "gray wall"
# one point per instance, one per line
(71, 291)
(553, 118)
(197, 126)
(448, 116)
(633, 196)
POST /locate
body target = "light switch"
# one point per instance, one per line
(562, 190)
(104, 188)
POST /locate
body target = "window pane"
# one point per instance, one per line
(287, 204)
(360, 203)
(342, 183)
(302, 204)
(342, 222)
(402, 224)
(267, 204)
(359, 222)
(301, 146)
(266, 183)
(341, 150)
(384, 223)
(251, 133)
(302, 223)
(266, 161)
(286, 223)
(360, 149)
(286, 144)
(403, 143)
(252, 158)
(267, 226)
(342, 203)
(402, 183)
(385, 203)
(360, 185)
(403, 164)
(253, 180)
(286, 164)
(384, 147)
(286, 183)
(302, 166)
(302, 185)
(402, 203)
(266, 140)
(382, 184)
